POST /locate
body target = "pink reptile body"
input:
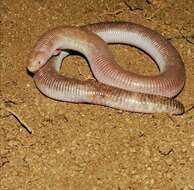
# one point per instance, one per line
(116, 87)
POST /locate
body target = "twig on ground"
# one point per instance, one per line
(19, 119)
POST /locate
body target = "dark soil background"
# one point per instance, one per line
(46, 144)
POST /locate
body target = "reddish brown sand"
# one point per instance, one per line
(90, 147)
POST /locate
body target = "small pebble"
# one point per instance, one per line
(165, 149)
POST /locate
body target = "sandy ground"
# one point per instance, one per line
(46, 144)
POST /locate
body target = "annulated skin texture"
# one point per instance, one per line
(172, 72)
(52, 84)
(84, 40)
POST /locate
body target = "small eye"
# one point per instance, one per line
(39, 62)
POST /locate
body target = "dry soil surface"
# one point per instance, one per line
(46, 144)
